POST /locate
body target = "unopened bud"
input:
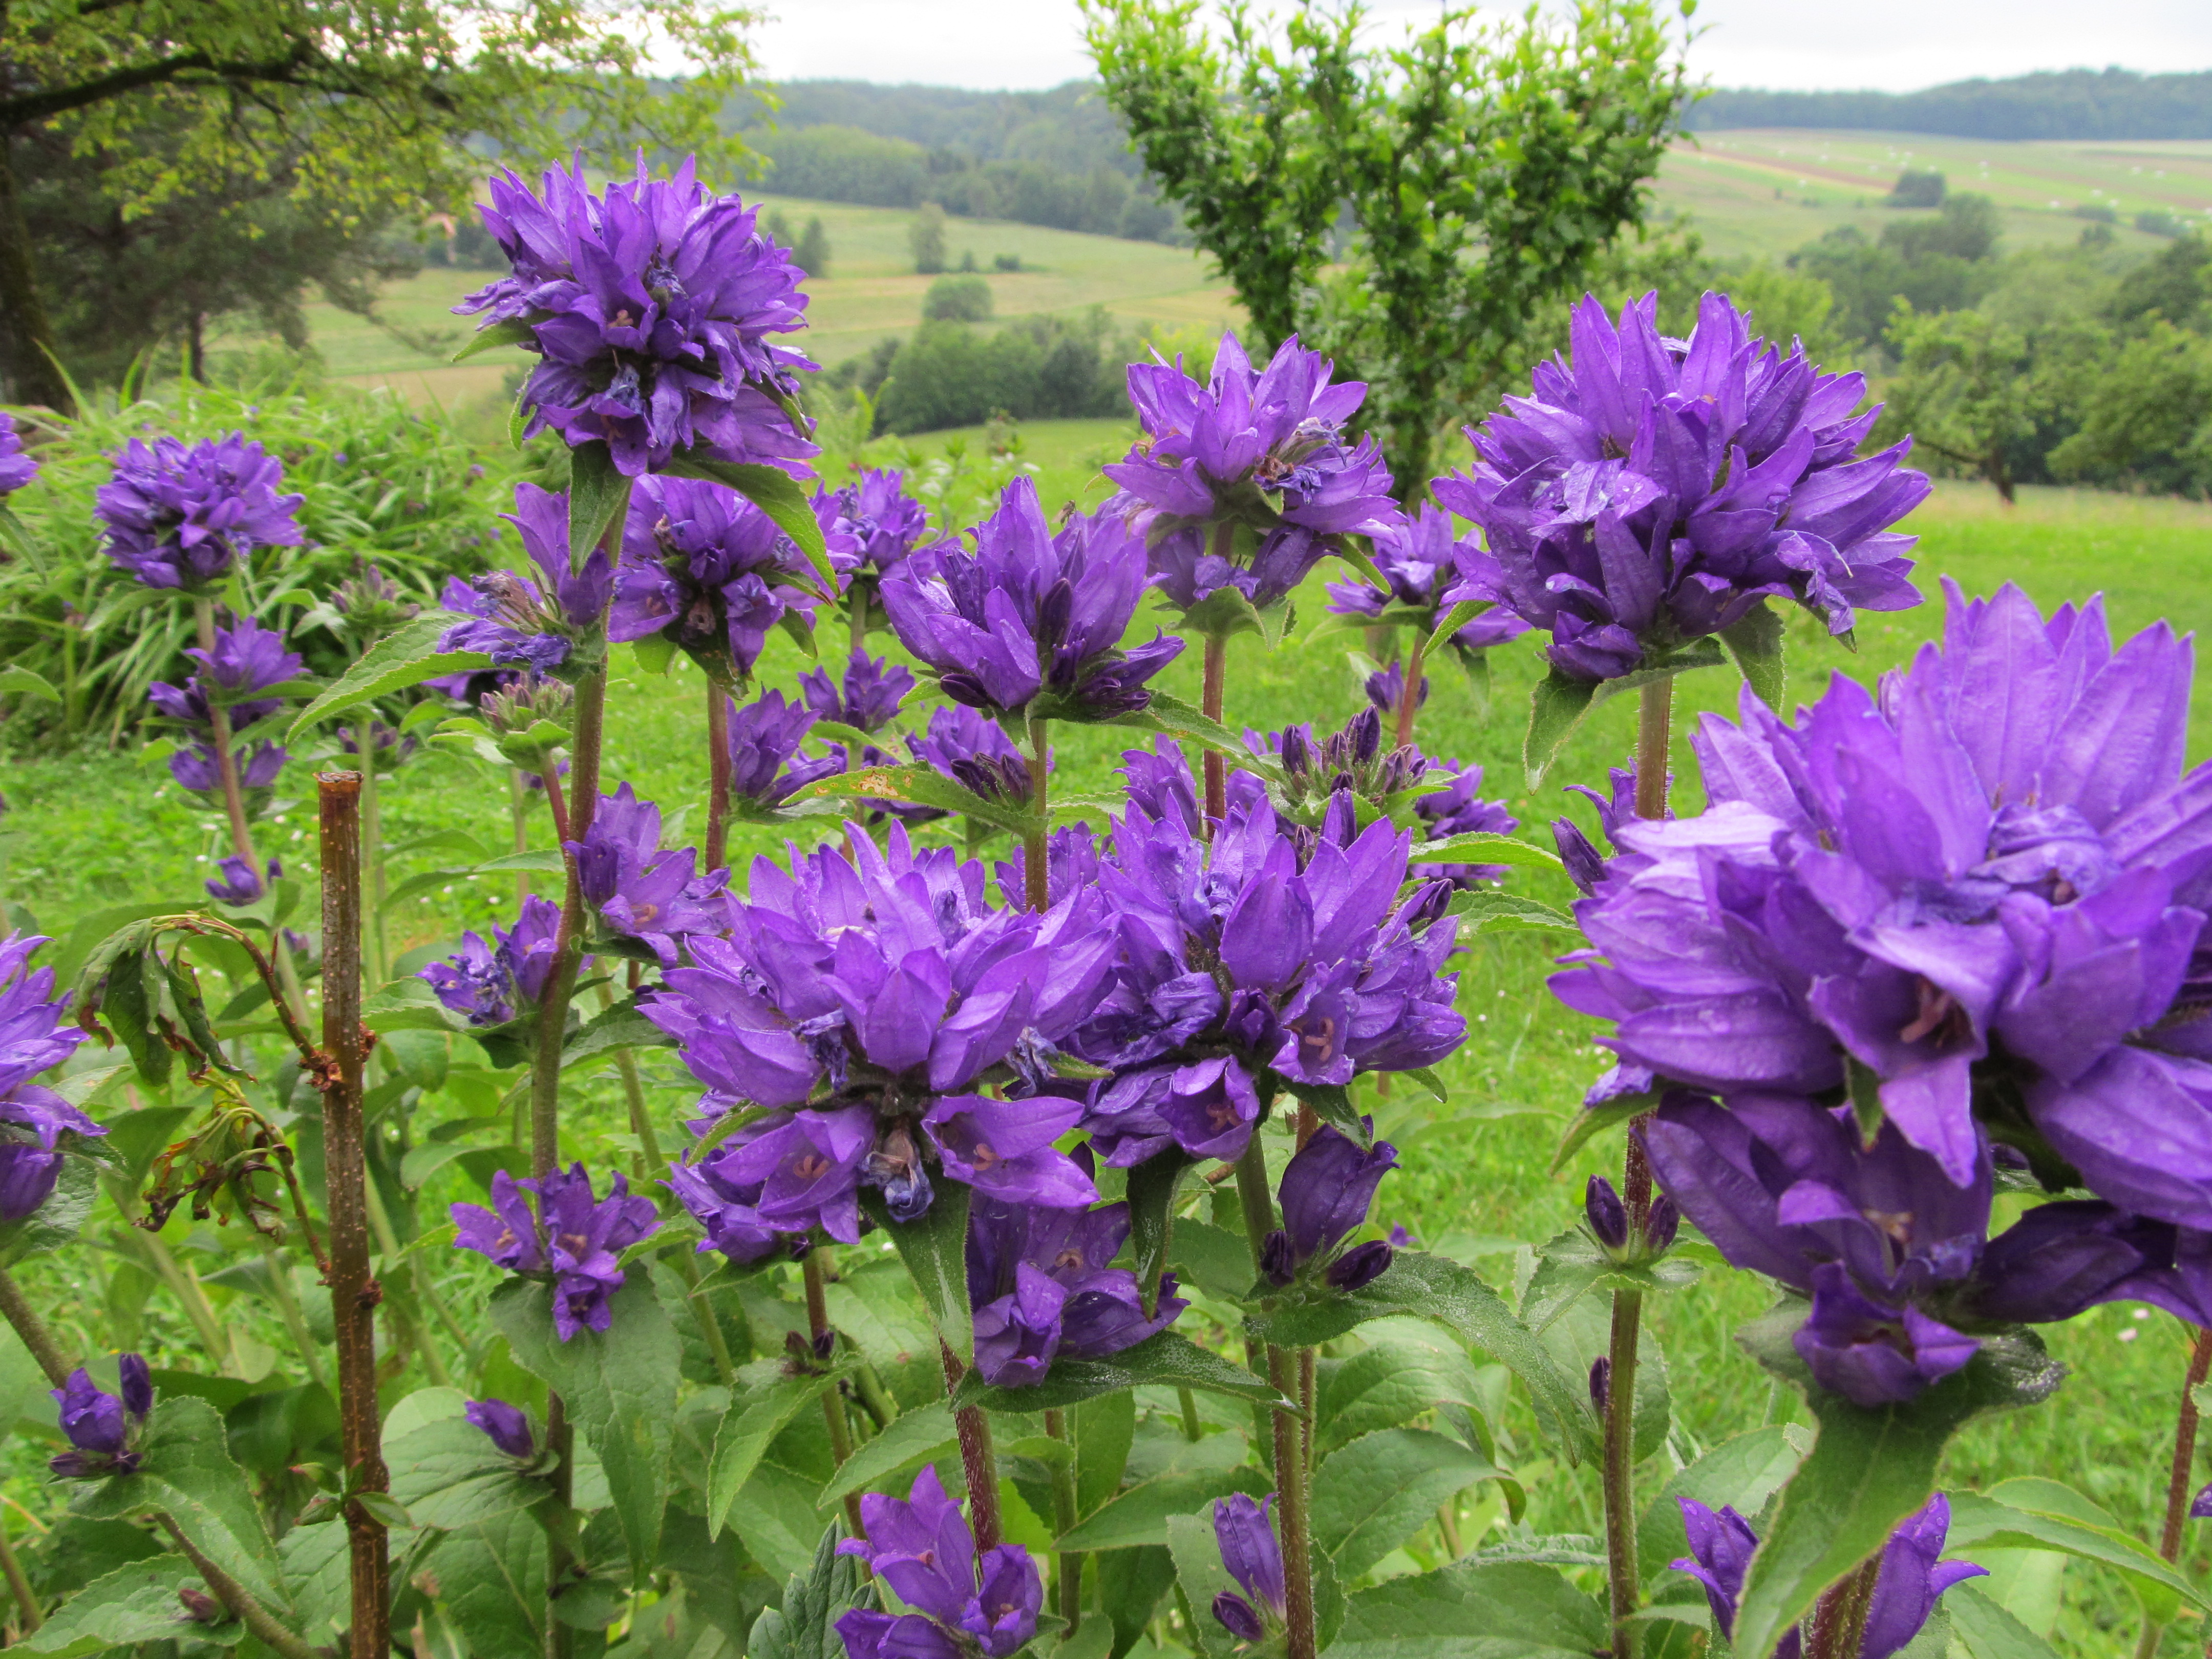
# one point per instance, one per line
(1660, 1226)
(1361, 1264)
(1608, 1216)
(1600, 1380)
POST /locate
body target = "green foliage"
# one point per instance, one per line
(947, 374)
(1917, 188)
(927, 238)
(958, 299)
(1939, 263)
(812, 253)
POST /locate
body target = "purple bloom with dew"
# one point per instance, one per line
(513, 619)
(1245, 1531)
(868, 698)
(246, 660)
(1980, 891)
(178, 515)
(241, 883)
(1263, 949)
(103, 1428)
(16, 468)
(194, 768)
(921, 1545)
(1029, 613)
(496, 983)
(574, 1239)
(1910, 1581)
(1247, 481)
(1653, 492)
(1041, 1284)
(33, 1040)
(507, 1425)
(640, 889)
(1326, 1192)
(868, 995)
(766, 766)
(1426, 572)
(650, 307)
(704, 565)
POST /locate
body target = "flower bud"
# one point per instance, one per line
(1600, 1380)
(1608, 1217)
(1361, 1264)
(1238, 1617)
(1662, 1224)
(1275, 1264)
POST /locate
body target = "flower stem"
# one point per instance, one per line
(373, 955)
(1035, 877)
(1409, 699)
(814, 1271)
(353, 1289)
(2178, 1482)
(1192, 1431)
(1209, 703)
(716, 851)
(238, 1600)
(1654, 715)
(1837, 1624)
(518, 809)
(226, 763)
(856, 605)
(977, 1459)
(20, 1585)
(1291, 1484)
(568, 950)
(37, 1338)
(560, 1551)
(1067, 1573)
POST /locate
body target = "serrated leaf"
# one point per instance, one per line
(448, 1474)
(136, 1603)
(1490, 911)
(777, 494)
(1571, 1266)
(1474, 1610)
(1375, 1492)
(1105, 1429)
(513, 330)
(1741, 1472)
(910, 1435)
(1412, 1368)
(1196, 1552)
(2033, 1513)
(752, 1422)
(1139, 1516)
(1163, 1359)
(1756, 643)
(598, 496)
(1187, 723)
(805, 1625)
(1483, 846)
(922, 786)
(1152, 1196)
(1560, 703)
(1592, 1120)
(934, 1248)
(406, 657)
(1987, 1631)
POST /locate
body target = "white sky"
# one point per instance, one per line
(1894, 45)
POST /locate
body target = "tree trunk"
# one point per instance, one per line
(2000, 474)
(28, 372)
(196, 365)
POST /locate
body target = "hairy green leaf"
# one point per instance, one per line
(1163, 1359)
(1474, 1610)
(408, 656)
(1139, 1516)
(1378, 1491)
(934, 1248)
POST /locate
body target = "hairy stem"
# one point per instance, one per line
(814, 1273)
(19, 1585)
(1067, 1571)
(2179, 1480)
(716, 850)
(1837, 1624)
(1291, 1486)
(977, 1459)
(37, 1338)
(1211, 688)
(1409, 699)
(239, 1602)
(561, 983)
(1192, 1431)
(1620, 1471)
(1035, 877)
(560, 1553)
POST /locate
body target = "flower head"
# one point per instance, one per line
(1029, 612)
(241, 883)
(974, 752)
(515, 624)
(1041, 1284)
(650, 307)
(1242, 1528)
(247, 659)
(1261, 453)
(1327, 1190)
(869, 698)
(1425, 570)
(1655, 491)
(1461, 809)
(497, 984)
(921, 1546)
(1351, 760)
(103, 1428)
(574, 1239)
(875, 517)
(194, 768)
(766, 766)
(32, 1041)
(16, 469)
(639, 889)
(703, 565)
(507, 1425)
(180, 515)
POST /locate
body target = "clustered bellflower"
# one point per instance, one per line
(507, 1426)
(103, 1429)
(512, 620)
(1427, 570)
(639, 889)
(766, 766)
(195, 768)
(574, 1239)
(246, 660)
(1246, 1534)
(180, 515)
(974, 751)
(496, 983)
(1041, 1285)
(709, 569)
(873, 521)
(868, 699)
(1907, 1585)
(1460, 808)
(1655, 491)
(1259, 950)
(1260, 452)
(1030, 612)
(16, 468)
(33, 1040)
(866, 996)
(650, 307)
(241, 883)
(1326, 1192)
(921, 1546)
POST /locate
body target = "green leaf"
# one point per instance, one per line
(1196, 1552)
(1381, 1488)
(448, 1474)
(1571, 1266)
(136, 1603)
(513, 332)
(2033, 1513)
(752, 1422)
(185, 1471)
(912, 1436)
(1105, 1429)
(934, 1248)
(1412, 1368)
(1141, 1515)
(1986, 1631)
(923, 787)
(1473, 1610)
(777, 494)
(1560, 703)
(805, 1625)
(1217, 1260)
(1186, 722)
(598, 496)
(1492, 912)
(1433, 1287)
(1483, 846)
(1451, 622)
(1332, 1103)
(1756, 643)
(1163, 1359)
(619, 1386)
(1592, 1120)
(20, 680)
(491, 1580)
(1151, 1195)
(1869, 1469)
(406, 657)
(619, 1027)
(1741, 1472)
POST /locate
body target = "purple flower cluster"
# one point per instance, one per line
(650, 307)
(1259, 951)
(180, 515)
(1248, 482)
(866, 994)
(1029, 613)
(241, 883)
(246, 660)
(1351, 760)
(1041, 1285)
(33, 1040)
(1428, 571)
(513, 621)
(766, 767)
(872, 523)
(1327, 1190)
(922, 1548)
(572, 1238)
(703, 565)
(974, 751)
(1459, 809)
(867, 701)
(1912, 1576)
(102, 1428)
(16, 469)
(1655, 491)
(639, 889)
(195, 768)
(1246, 1534)
(498, 983)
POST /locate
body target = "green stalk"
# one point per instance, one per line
(715, 851)
(1034, 846)
(1283, 1369)
(1067, 1571)
(20, 1585)
(2180, 1482)
(226, 763)
(374, 954)
(814, 1274)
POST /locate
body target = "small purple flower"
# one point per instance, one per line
(766, 766)
(1386, 688)
(497, 984)
(1041, 1284)
(102, 1428)
(876, 519)
(1327, 1190)
(241, 883)
(247, 659)
(639, 889)
(178, 516)
(16, 469)
(575, 1240)
(514, 622)
(650, 307)
(922, 1548)
(974, 752)
(869, 699)
(706, 566)
(28, 1175)
(1263, 454)
(1428, 572)
(509, 1427)
(194, 767)
(1459, 809)
(34, 1040)
(1246, 1533)
(1321, 775)
(1029, 612)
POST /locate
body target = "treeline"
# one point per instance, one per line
(950, 372)
(2113, 103)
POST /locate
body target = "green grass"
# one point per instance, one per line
(98, 829)
(1760, 193)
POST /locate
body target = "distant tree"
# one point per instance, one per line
(927, 239)
(1967, 228)
(812, 252)
(1005, 261)
(1940, 262)
(958, 299)
(1915, 189)
(1480, 169)
(968, 260)
(2175, 283)
(2146, 417)
(2157, 221)
(777, 227)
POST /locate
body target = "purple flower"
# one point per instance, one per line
(193, 767)
(387, 744)
(1246, 1534)
(869, 699)
(705, 566)
(241, 882)
(870, 993)
(922, 1548)
(1029, 612)
(1386, 688)
(1260, 455)
(1326, 1192)
(639, 889)
(651, 307)
(247, 659)
(507, 1426)
(16, 469)
(723, 1190)
(575, 1240)
(515, 624)
(33, 1040)
(1985, 888)
(498, 983)
(875, 517)
(1349, 762)
(1657, 491)
(1908, 1584)
(102, 1428)
(1261, 951)
(1428, 572)
(28, 1175)
(1041, 1284)
(974, 751)
(766, 767)
(1459, 809)
(178, 516)
(1071, 864)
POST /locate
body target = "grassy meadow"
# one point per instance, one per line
(96, 829)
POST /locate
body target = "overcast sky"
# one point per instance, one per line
(1894, 45)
